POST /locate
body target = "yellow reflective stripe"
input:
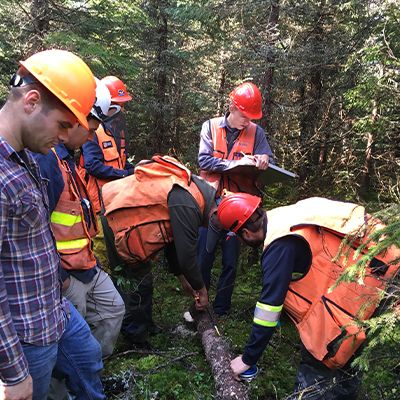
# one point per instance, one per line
(297, 275)
(267, 307)
(267, 315)
(65, 219)
(71, 244)
(265, 323)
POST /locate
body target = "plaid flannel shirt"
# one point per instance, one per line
(31, 308)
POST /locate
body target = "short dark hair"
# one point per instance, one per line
(49, 100)
(255, 222)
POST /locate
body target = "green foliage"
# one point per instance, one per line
(155, 376)
(328, 72)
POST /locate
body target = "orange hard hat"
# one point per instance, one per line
(117, 89)
(235, 209)
(247, 98)
(66, 76)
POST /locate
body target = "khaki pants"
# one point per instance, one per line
(102, 307)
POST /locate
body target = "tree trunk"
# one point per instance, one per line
(39, 11)
(222, 83)
(160, 78)
(311, 99)
(272, 36)
(366, 173)
(219, 356)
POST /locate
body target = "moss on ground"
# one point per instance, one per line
(175, 367)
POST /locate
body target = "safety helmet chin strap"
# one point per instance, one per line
(99, 112)
(100, 115)
(115, 107)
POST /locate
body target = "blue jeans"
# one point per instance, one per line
(76, 357)
(41, 360)
(230, 255)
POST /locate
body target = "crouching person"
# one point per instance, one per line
(302, 259)
(160, 207)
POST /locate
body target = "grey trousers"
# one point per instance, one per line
(102, 307)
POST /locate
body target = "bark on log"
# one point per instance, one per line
(219, 356)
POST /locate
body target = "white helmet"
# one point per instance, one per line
(102, 102)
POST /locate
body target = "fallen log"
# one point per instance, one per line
(219, 356)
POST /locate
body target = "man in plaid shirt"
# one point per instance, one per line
(39, 331)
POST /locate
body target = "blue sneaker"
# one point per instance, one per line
(249, 374)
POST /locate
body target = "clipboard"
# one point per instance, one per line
(273, 174)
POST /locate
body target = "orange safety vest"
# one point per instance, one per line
(112, 157)
(244, 144)
(326, 319)
(73, 238)
(136, 207)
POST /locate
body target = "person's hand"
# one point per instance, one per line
(262, 161)
(20, 391)
(65, 284)
(201, 299)
(187, 288)
(238, 366)
(246, 160)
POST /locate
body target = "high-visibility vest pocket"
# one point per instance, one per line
(330, 334)
(142, 243)
(110, 153)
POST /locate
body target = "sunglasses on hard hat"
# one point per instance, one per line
(19, 81)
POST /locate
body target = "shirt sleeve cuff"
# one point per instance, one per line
(15, 372)
(195, 280)
(249, 360)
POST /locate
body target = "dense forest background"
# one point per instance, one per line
(329, 72)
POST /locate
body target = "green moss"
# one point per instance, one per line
(158, 375)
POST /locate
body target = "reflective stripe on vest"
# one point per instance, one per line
(71, 244)
(65, 219)
(73, 238)
(267, 315)
(328, 319)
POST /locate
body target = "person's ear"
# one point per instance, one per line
(32, 100)
(244, 233)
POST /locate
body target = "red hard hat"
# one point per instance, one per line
(235, 209)
(247, 98)
(117, 89)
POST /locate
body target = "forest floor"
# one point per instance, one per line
(174, 367)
